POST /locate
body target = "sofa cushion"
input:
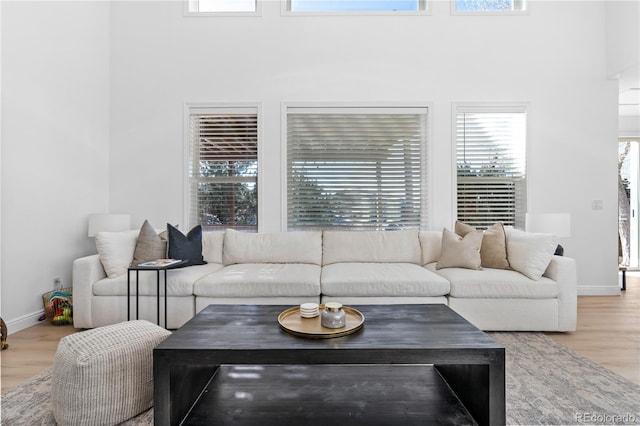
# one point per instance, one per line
(185, 247)
(496, 283)
(275, 247)
(493, 251)
(150, 245)
(261, 279)
(431, 246)
(115, 250)
(530, 253)
(381, 279)
(179, 281)
(460, 252)
(212, 246)
(371, 246)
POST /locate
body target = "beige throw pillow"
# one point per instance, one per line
(460, 252)
(150, 245)
(493, 252)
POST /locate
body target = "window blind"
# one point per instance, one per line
(491, 175)
(223, 170)
(355, 168)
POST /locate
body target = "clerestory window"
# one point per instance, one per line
(222, 7)
(488, 7)
(356, 6)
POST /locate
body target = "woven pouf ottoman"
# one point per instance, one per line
(104, 376)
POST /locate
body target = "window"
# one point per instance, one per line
(221, 7)
(356, 168)
(488, 7)
(491, 178)
(330, 6)
(223, 168)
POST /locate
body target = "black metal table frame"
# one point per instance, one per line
(137, 269)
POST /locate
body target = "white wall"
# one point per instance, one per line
(93, 96)
(629, 126)
(623, 35)
(55, 135)
(623, 56)
(554, 59)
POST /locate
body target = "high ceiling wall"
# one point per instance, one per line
(93, 98)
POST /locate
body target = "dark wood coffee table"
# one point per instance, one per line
(198, 366)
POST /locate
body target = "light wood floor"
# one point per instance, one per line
(609, 330)
(608, 333)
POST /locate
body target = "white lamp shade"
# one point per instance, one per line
(558, 224)
(105, 222)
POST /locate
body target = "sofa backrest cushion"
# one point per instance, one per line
(212, 246)
(371, 246)
(276, 247)
(431, 246)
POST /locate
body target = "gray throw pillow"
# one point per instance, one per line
(150, 245)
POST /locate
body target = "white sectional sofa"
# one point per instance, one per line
(355, 268)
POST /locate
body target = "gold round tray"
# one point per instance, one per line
(291, 322)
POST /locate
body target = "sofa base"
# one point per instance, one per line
(203, 302)
(385, 300)
(509, 314)
(107, 310)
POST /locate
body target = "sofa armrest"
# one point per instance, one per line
(86, 271)
(564, 271)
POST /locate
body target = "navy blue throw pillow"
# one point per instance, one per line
(185, 247)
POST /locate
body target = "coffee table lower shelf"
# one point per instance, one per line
(327, 394)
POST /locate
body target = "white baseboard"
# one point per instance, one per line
(23, 322)
(598, 290)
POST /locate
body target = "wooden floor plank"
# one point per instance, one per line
(30, 352)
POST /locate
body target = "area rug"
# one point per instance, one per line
(547, 384)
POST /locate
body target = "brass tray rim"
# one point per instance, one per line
(330, 333)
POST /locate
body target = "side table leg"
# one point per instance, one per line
(158, 296)
(137, 294)
(128, 295)
(165, 300)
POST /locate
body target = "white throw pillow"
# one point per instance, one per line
(530, 253)
(115, 250)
